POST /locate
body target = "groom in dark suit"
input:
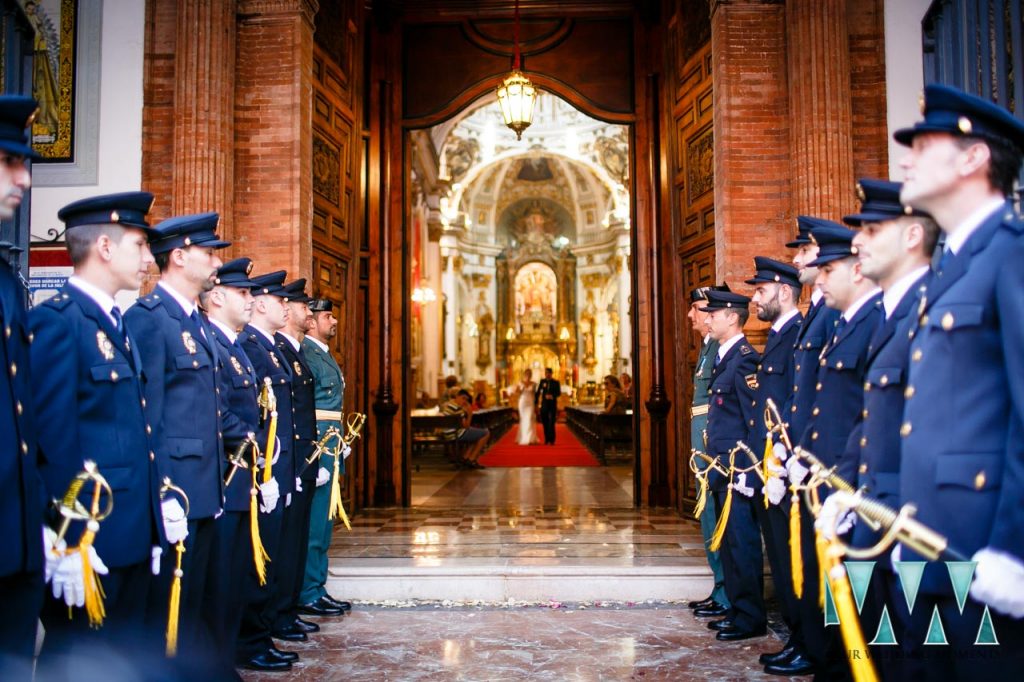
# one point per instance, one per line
(547, 398)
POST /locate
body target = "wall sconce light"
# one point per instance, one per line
(423, 294)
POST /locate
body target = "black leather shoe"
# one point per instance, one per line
(702, 603)
(265, 663)
(280, 655)
(797, 665)
(319, 608)
(724, 624)
(290, 634)
(782, 656)
(716, 610)
(736, 634)
(343, 605)
(305, 625)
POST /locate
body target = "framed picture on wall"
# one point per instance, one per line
(53, 77)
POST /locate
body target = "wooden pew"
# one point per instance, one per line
(597, 431)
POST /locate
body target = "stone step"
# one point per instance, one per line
(496, 580)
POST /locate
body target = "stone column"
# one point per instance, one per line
(820, 108)
(204, 85)
(273, 134)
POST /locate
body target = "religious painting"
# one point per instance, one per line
(700, 165)
(326, 169)
(53, 76)
(536, 293)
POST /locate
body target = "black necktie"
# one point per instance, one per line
(944, 259)
(115, 312)
(839, 329)
(197, 322)
(718, 359)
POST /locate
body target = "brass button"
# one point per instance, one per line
(924, 320)
(863, 443)
(916, 357)
(815, 411)
(751, 422)
(195, 363)
(758, 367)
(867, 386)
(839, 365)
(769, 369)
(823, 362)
(31, 337)
(884, 380)
(947, 321)
(864, 413)
(908, 393)
(143, 402)
(798, 368)
(795, 388)
(793, 409)
(817, 387)
(814, 436)
(863, 467)
(753, 403)
(113, 375)
(24, 448)
(246, 382)
(149, 430)
(19, 408)
(14, 369)
(979, 480)
(151, 456)
(906, 429)
(7, 331)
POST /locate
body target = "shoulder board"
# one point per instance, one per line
(149, 301)
(746, 350)
(58, 302)
(1013, 222)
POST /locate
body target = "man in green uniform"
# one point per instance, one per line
(330, 397)
(716, 604)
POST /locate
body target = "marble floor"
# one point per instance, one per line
(652, 642)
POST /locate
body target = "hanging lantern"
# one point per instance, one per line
(516, 93)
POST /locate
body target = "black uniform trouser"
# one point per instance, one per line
(774, 524)
(235, 539)
(122, 648)
(22, 597)
(743, 563)
(294, 547)
(548, 415)
(258, 616)
(200, 565)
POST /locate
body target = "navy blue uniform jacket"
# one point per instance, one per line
(239, 413)
(21, 495)
(730, 406)
(815, 332)
(774, 378)
(179, 363)
(268, 362)
(88, 389)
(963, 441)
(839, 393)
(303, 404)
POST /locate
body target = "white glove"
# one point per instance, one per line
(741, 486)
(68, 583)
(53, 551)
(298, 484)
(323, 477)
(346, 450)
(780, 451)
(261, 460)
(775, 489)
(829, 522)
(997, 580)
(288, 500)
(270, 494)
(155, 566)
(796, 471)
(175, 523)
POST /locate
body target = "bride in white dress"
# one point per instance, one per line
(527, 391)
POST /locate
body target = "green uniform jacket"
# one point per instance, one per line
(701, 381)
(330, 384)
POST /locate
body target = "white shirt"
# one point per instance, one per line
(858, 304)
(188, 306)
(956, 239)
(816, 295)
(295, 342)
(783, 319)
(320, 344)
(104, 300)
(894, 294)
(725, 347)
(226, 330)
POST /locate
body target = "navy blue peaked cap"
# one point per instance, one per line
(182, 231)
(835, 242)
(879, 200)
(725, 300)
(124, 208)
(319, 305)
(948, 110)
(296, 291)
(235, 274)
(804, 225)
(270, 284)
(701, 293)
(16, 115)
(769, 270)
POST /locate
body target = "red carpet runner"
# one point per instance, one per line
(566, 452)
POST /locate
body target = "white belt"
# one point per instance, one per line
(696, 411)
(328, 415)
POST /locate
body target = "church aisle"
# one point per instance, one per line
(646, 642)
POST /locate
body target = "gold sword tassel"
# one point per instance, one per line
(174, 606)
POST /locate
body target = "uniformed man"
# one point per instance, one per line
(88, 387)
(962, 452)
(330, 405)
(894, 247)
(777, 291)
(296, 515)
(717, 603)
(731, 395)
(256, 649)
(838, 400)
(21, 564)
(229, 308)
(179, 361)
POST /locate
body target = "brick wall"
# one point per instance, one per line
(867, 88)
